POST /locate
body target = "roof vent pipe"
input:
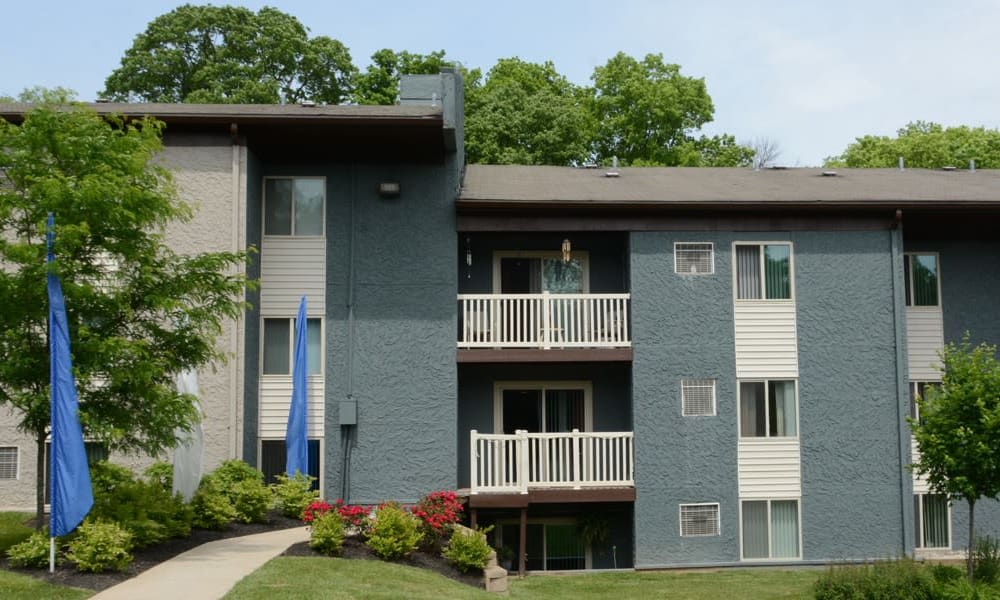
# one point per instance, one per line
(900, 163)
(972, 164)
(614, 168)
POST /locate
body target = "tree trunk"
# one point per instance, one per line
(972, 541)
(40, 483)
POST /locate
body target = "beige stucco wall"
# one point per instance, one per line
(210, 176)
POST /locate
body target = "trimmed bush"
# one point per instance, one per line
(467, 549)
(327, 535)
(394, 533)
(32, 553)
(251, 499)
(293, 494)
(146, 509)
(161, 474)
(212, 508)
(438, 512)
(100, 546)
(885, 580)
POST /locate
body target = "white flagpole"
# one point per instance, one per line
(52, 554)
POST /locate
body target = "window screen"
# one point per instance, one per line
(8, 462)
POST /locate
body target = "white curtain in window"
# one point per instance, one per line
(748, 272)
(935, 521)
(785, 528)
(755, 529)
(783, 408)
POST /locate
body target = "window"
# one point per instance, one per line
(768, 409)
(273, 459)
(920, 272)
(699, 520)
(279, 346)
(698, 397)
(931, 520)
(8, 462)
(770, 529)
(763, 271)
(694, 259)
(551, 545)
(294, 206)
(918, 390)
(533, 272)
(542, 407)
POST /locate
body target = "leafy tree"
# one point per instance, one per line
(926, 146)
(716, 151)
(138, 312)
(526, 113)
(380, 83)
(958, 432)
(646, 110)
(229, 54)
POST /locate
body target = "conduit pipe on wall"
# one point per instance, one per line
(346, 431)
(902, 385)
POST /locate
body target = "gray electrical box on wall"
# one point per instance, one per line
(348, 412)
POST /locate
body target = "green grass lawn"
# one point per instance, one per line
(323, 578)
(14, 586)
(13, 529)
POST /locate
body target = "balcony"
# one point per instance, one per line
(524, 462)
(543, 321)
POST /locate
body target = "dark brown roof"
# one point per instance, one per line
(496, 186)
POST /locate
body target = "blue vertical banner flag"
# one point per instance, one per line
(71, 495)
(296, 443)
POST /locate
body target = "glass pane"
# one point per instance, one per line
(925, 282)
(747, 272)
(777, 270)
(276, 351)
(277, 207)
(562, 277)
(534, 548)
(785, 528)
(916, 521)
(564, 410)
(935, 521)
(755, 529)
(309, 207)
(563, 548)
(752, 416)
(314, 343)
(906, 279)
(782, 408)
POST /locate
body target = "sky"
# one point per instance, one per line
(808, 76)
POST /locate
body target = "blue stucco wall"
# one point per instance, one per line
(848, 397)
(610, 392)
(970, 299)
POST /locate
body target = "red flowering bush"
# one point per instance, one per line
(314, 511)
(437, 512)
(352, 514)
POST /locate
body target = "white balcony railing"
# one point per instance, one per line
(543, 320)
(578, 459)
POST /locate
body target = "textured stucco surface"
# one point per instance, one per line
(682, 328)
(848, 397)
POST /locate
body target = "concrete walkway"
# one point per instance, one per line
(207, 572)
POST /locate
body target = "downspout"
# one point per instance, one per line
(346, 431)
(236, 447)
(905, 491)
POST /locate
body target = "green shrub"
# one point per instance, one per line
(293, 494)
(32, 552)
(961, 589)
(234, 471)
(986, 559)
(161, 473)
(394, 533)
(146, 509)
(467, 549)
(13, 529)
(100, 546)
(946, 573)
(251, 499)
(212, 508)
(900, 579)
(327, 536)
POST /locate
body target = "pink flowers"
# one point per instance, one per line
(439, 510)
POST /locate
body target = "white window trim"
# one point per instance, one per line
(17, 463)
(914, 386)
(291, 346)
(767, 408)
(582, 255)
(500, 386)
(791, 271)
(937, 263)
(770, 541)
(711, 250)
(263, 207)
(714, 399)
(322, 444)
(718, 519)
(918, 543)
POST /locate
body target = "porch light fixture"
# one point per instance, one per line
(566, 249)
(388, 189)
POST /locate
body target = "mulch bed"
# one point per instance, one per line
(147, 558)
